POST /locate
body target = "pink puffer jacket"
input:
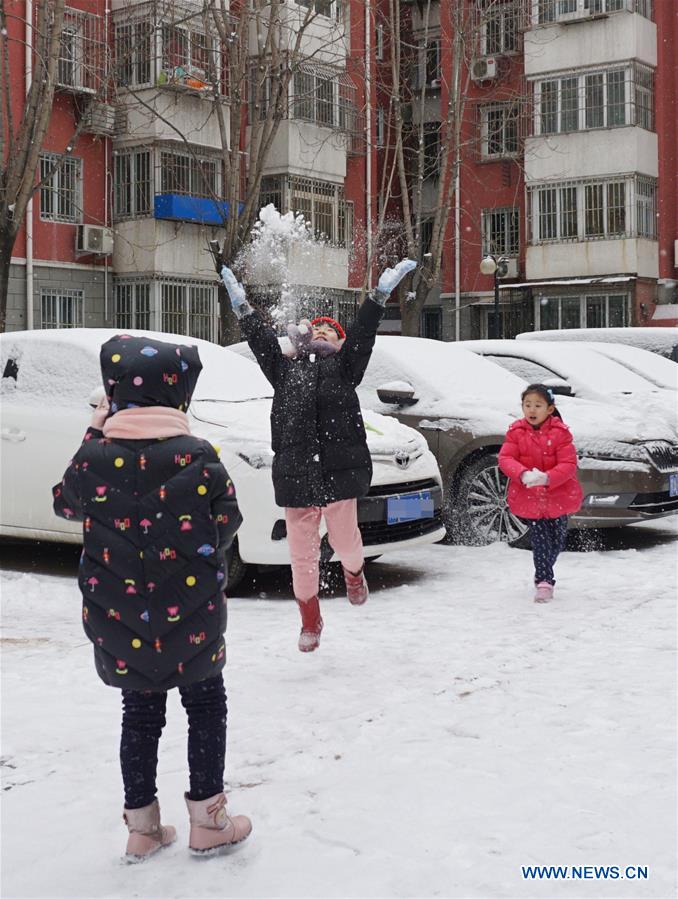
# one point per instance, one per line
(550, 449)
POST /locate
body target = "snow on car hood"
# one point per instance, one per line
(246, 428)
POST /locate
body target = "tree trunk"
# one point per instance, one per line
(7, 238)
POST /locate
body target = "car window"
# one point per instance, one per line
(526, 369)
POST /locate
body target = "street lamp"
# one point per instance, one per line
(490, 265)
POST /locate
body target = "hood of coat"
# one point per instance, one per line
(140, 371)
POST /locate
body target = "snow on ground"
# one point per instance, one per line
(444, 735)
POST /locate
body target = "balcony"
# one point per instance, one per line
(183, 208)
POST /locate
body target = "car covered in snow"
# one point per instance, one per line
(50, 376)
(662, 341)
(463, 404)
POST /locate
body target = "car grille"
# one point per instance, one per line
(402, 487)
(662, 454)
(654, 503)
(375, 532)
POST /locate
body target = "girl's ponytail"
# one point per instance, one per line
(545, 393)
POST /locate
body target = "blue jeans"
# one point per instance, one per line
(143, 718)
(548, 540)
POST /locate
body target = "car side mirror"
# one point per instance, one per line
(397, 393)
(96, 397)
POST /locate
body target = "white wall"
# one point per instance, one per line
(302, 148)
(186, 116)
(618, 37)
(593, 258)
(170, 248)
(581, 154)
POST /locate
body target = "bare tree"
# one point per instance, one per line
(424, 160)
(21, 141)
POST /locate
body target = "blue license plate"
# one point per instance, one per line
(410, 507)
(673, 485)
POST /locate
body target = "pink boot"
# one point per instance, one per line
(356, 587)
(543, 592)
(146, 833)
(212, 831)
(311, 624)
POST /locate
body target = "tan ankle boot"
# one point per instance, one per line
(212, 831)
(146, 833)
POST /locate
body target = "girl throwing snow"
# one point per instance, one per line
(321, 464)
(540, 459)
(159, 514)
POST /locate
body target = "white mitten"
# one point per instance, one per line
(390, 278)
(236, 291)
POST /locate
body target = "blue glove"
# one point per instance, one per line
(390, 278)
(235, 289)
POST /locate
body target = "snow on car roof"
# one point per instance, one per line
(655, 340)
(657, 369)
(225, 376)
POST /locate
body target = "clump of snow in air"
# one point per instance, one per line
(278, 239)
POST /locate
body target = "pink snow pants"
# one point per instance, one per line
(303, 538)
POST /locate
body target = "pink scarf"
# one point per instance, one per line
(147, 422)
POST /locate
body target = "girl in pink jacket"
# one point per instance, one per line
(540, 460)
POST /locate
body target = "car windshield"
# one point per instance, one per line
(529, 371)
(654, 368)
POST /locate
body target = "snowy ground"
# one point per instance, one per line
(444, 735)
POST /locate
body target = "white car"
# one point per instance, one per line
(52, 377)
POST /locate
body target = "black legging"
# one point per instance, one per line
(143, 718)
(548, 540)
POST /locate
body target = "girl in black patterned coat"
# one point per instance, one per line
(159, 513)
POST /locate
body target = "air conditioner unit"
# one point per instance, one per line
(484, 69)
(507, 268)
(94, 240)
(577, 15)
(100, 118)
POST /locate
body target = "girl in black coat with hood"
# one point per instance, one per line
(159, 513)
(321, 464)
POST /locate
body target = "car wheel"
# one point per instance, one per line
(236, 567)
(478, 512)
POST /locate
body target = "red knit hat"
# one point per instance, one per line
(332, 323)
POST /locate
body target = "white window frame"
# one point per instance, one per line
(139, 295)
(300, 195)
(504, 12)
(638, 85)
(550, 12)
(135, 42)
(133, 198)
(510, 216)
(60, 299)
(59, 201)
(510, 116)
(582, 301)
(186, 292)
(639, 216)
(189, 162)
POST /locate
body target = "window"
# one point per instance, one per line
(611, 208)
(610, 98)
(133, 305)
(427, 72)
(381, 136)
(315, 97)
(379, 42)
(61, 308)
(431, 150)
(501, 231)
(499, 29)
(132, 184)
(133, 53)
(432, 323)
(321, 203)
(426, 238)
(196, 176)
(187, 308)
(70, 58)
(552, 10)
(321, 7)
(590, 311)
(61, 193)
(499, 130)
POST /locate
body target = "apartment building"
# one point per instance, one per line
(119, 233)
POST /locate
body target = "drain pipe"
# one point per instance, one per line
(457, 251)
(368, 136)
(29, 207)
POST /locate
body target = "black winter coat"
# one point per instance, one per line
(317, 430)
(158, 517)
